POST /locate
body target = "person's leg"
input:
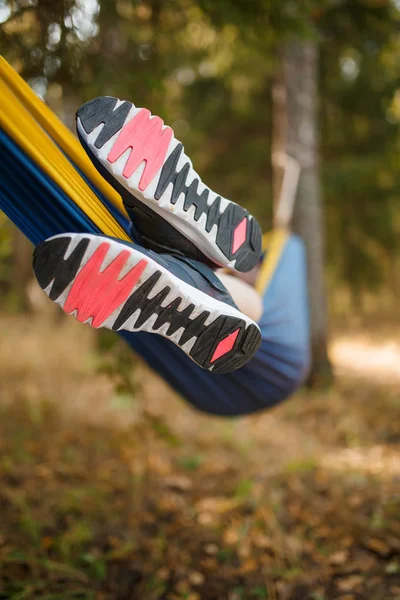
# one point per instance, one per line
(122, 286)
(246, 298)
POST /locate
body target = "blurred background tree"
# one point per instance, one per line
(209, 69)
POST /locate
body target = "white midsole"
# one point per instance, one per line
(187, 293)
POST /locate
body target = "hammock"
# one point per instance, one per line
(49, 186)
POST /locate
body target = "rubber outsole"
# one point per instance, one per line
(142, 155)
(108, 284)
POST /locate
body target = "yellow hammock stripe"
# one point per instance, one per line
(274, 244)
(31, 138)
(57, 130)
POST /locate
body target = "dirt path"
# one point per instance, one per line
(375, 360)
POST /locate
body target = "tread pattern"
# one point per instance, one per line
(49, 264)
(62, 272)
(227, 221)
(147, 221)
(101, 110)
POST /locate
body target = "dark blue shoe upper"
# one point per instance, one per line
(193, 272)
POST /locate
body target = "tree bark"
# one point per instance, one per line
(279, 127)
(295, 99)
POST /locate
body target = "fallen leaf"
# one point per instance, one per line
(196, 578)
(163, 573)
(378, 546)
(183, 587)
(373, 582)
(350, 583)
(244, 549)
(231, 536)
(262, 541)
(217, 504)
(355, 500)
(178, 482)
(209, 564)
(47, 542)
(206, 518)
(364, 563)
(323, 531)
(394, 543)
(211, 549)
(339, 558)
(395, 589)
(249, 566)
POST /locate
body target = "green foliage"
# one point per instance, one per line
(360, 140)
(207, 67)
(266, 19)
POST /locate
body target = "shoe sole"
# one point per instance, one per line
(108, 284)
(143, 155)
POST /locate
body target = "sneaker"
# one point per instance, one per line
(121, 286)
(162, 193)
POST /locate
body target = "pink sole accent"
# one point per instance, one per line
(149, 142)
(225, 345)
(97, 294)
(239, 235)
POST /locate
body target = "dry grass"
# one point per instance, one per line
(109, 495)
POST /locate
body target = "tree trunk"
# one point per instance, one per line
(279, 127)
(296, 133)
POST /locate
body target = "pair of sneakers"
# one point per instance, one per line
(165, 282)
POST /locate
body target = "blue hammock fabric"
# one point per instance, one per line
(40, 209)
(276, 370)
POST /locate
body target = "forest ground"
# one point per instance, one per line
(109, 495)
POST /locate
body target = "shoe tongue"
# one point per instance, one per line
(216, 288)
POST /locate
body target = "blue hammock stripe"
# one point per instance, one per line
(40, 209)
